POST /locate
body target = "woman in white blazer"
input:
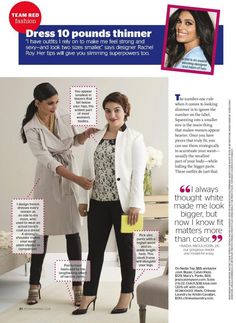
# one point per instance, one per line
(115, 159)
(50, 137)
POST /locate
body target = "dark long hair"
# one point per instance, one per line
(42, 92)
(204, 30)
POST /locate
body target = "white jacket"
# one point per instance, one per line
(130, 162)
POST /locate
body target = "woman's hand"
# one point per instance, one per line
(84, 182)
(82, 137)
(133, 215)
(83, 209)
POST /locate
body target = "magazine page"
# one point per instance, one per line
(117, 161)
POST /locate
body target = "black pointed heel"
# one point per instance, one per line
(122, 310)
(84, 310)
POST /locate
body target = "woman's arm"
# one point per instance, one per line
(85, 183)
(138, 168)
(82, 137)
(44, 157)
(139, 160)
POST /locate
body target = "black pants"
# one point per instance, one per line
(101, 217)
(73, 246)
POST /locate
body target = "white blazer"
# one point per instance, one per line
(130, 162)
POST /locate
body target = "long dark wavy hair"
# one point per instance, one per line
(42, 92)
(204, 30)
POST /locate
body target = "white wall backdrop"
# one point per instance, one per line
(148, 98)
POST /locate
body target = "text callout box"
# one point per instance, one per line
(27, 226)
(83, 105)
(146, 253)
(71, 270)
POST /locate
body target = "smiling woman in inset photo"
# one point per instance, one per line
(190, 40)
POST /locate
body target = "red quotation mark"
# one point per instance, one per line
(215, 237)
(185, 189)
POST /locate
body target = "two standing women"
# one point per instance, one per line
(50, 137)
(114, 166)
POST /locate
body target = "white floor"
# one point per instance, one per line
(14, 284)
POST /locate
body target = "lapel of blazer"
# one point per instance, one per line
(64, 128)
